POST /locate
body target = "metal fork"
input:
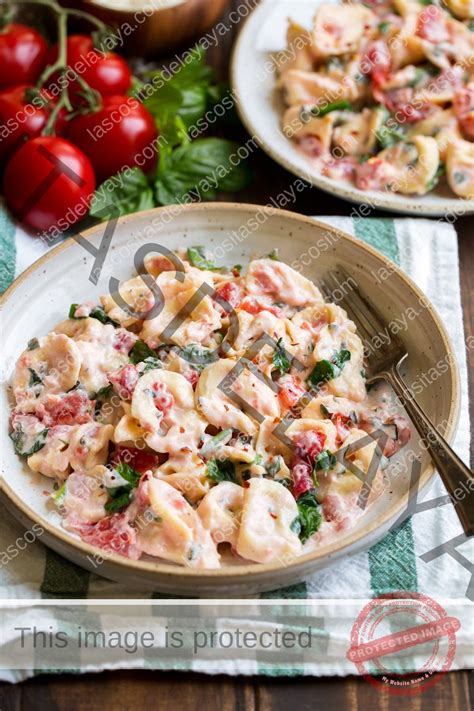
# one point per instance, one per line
(384, 364)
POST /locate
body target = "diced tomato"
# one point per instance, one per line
(192, 376)
(463, 105)
(255, 306)
(230, 292)
(302, 480)
(138, 459)
(267, 280)
(431, 25)
(112, 533)
(124, 380)
(162, 397)
(308, 445)
(374, 174)
(342, 424)
(311, 145)
(73, 408)
(340, 168)
(291, 390)
(124, 340)
(376, 62)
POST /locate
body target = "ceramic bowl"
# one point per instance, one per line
(253, 78)
(41, 296)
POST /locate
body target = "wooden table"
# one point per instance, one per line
(126, 690)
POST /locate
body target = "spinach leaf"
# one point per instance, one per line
(334, 106)
(200, 169)
(97, 312)
(33, 344)
(215, 442)
(35, 379)
(123, 193)
(197, 257)
(141, 352)
(324, 461)
(221, 470)
(18, 438)
(309, 517)
(325, 370)
(198, 355)
(280, 360)
(121, 495)
(151, 363)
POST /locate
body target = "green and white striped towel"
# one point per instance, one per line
(427, 251)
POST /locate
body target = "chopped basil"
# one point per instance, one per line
(258, 459)
(280, 360)
(384, 27)
(59, 495)
(334, 106)
(436, 177)
(197, 257)
(274, 255)
(33, 343)
(459, 177)
(325, 370)
(215, 442)
(198, 355)
(221, 470)
(121, 495)
(324, 410)
(72, 311)
(18, 438)
(141, 352)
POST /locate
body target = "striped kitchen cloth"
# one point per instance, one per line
(427, 251)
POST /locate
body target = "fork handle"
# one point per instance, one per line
(455, 474)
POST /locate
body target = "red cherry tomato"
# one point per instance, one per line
(49, 183)
(23, 117)
(106, 72)
(121, 134)
(23, 55)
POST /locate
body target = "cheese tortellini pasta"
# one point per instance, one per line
(232, 426)
(382, 94)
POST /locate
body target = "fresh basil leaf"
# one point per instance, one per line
(33, 344)
(280, 360)
(141, 352)
(121, 495)
(436, 177)
(72, 311)
(388, 136)
(334, 106)
(59, 495)
(123, 193)
(274, 255)
(221, 470)
(200, 169)
(98, 313)
(197, 257)
(309, 516)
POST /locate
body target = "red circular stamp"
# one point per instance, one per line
(403, 642)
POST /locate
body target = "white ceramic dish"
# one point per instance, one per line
(41, 297)
(253, 78)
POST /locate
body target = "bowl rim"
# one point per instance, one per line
(173, 571)
(376, 199)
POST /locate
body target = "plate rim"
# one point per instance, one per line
(251, 570)
(349, 194)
